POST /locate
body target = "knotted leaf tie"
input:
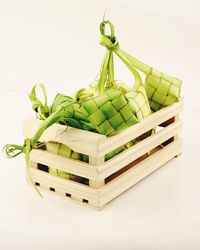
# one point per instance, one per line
(13, 150)
(42, 109)
(112, 45)
(108, 41)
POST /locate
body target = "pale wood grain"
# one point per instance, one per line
(138, 172)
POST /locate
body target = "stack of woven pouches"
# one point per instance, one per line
(107, 107)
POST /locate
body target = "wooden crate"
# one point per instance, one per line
(106, 179)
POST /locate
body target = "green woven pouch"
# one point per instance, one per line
(108, 113)
(65, 151)
(162, 89)
(60, 150)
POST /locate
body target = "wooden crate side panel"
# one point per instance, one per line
(81, 141)
(99, 173)
(138, 150)
(45, 189)
(64, 186)
(140, 171)
(60, 162)
(96, 161)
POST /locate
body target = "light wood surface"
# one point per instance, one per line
(139, 172)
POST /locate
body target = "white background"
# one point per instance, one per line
(56, 43)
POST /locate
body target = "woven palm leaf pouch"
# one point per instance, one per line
(162, 89)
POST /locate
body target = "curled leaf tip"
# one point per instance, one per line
(12, 150)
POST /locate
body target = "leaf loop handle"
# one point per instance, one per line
(112, 45)
(42, 109)
(108, 41)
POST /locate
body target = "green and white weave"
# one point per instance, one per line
(108, 113)
(162, 90)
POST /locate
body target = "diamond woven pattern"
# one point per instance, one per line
(162, 90)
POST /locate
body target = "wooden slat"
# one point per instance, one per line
(81, 141)
(97, 162)
(99, 173)
(45, 189)
(60, 162)
(138, 150)
(140, 171)
(176, 118)
(66, 186)
(145, 125)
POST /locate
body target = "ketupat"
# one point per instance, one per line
(106, 114)
(59, 149)
(65, 151)
(162, 89)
